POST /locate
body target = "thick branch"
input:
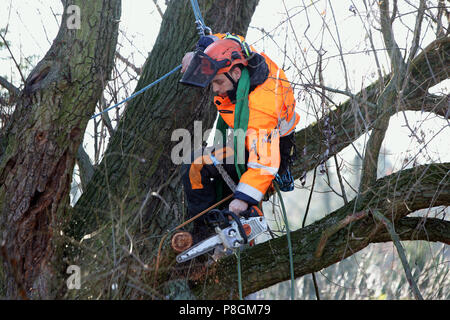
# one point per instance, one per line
(438, 104)
(414, 228)
(395, 196)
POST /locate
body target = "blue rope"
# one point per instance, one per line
(138, 92)
(197, 12)
(201, 26)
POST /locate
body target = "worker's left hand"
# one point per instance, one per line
(186, 61)
(237, 206)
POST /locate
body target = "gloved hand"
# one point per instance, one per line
(237, 206)
(186, 61)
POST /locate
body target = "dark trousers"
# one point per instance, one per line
(200, 179)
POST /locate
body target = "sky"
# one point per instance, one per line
(33, 24)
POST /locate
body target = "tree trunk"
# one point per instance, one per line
(37, 157)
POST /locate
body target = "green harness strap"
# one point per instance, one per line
(241, 115)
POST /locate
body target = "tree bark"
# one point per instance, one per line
(37, 157)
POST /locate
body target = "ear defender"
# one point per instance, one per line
(246, 51)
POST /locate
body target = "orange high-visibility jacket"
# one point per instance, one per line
(271, 116)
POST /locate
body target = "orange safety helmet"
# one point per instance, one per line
(227, 49)
(219, 57)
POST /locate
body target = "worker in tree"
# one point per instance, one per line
(253, 97)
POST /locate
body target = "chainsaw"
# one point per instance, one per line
(232, 232)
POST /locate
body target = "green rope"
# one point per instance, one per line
(238, 258)
(241, 115)
(288, 235)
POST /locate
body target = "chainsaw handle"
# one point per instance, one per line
(239, 224)
(251, 212)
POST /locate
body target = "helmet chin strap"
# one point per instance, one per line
(231, 93)
(231, 79)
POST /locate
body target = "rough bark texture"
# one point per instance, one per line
(37, 157)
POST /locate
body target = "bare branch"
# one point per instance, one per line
(13, 90)
(388, 36)
(438, 104)
(417, 30)
(158, 8)
(138, 70)
(401, 253)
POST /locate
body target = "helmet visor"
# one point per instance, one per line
(202, 69)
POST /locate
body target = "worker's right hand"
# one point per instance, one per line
(237, 206)
(186, 61)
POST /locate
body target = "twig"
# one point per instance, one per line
(12, 89)
(128, 63)
(158, 8)
(12, 57)
(338, 171)
(401, 253)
